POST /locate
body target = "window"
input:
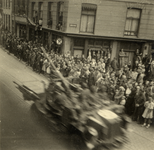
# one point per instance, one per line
(50, 8)
(34, 12)
(7, 3)
(22, 31)
(88, 18)
(40, 10)
(13, 29)
(6, 23)
(132, 22)
(9, 22)
(79, 42)
(22, 7)
(60, 8)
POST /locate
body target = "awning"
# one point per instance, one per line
(30, 21)
(106, 37)
(86, 6)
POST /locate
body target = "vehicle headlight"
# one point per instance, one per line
(91, 135)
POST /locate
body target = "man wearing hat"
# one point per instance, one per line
(139, 100)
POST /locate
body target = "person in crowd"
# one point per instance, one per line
(139, 100)
(148, 112)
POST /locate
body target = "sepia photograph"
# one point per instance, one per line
(76, 74)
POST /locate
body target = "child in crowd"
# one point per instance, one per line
(148, 112)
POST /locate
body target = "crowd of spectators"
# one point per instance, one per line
(127, 85)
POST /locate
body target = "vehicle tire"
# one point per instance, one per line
(77, 142)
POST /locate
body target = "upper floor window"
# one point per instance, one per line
(22, 7)
(40, 10)
(60, 12)
(34, 12)
(50, 9)
(60, 7)
(88, 16)
(132, 22)
(7, 3)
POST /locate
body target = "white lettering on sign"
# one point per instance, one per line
(73, 25)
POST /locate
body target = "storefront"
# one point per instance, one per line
(32, 34)
(93, 47)
(131, 50)
(21, 31)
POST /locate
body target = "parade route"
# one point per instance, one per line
(21, 131)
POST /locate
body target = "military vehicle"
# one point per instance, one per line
(93, 123)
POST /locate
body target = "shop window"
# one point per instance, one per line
(88, 15)
(31, 34)
(106, 44)
(91, 42)
(79, 42)
(40, 10)
(132, 22)
(131, 46)
(98, 42)
(50, 9)
(78, 53)
(22, 31)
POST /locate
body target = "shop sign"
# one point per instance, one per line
(73, 25)
(95, 48)
(59, 41)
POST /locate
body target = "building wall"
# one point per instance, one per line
(111, 17)
(54, 12)
(7, 11)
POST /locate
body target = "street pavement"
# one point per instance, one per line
(23, 128)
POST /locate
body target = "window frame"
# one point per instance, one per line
(33, 10)
(88, 15)
(59, 12)
(50, 10)
(138, 27)
(40, 11)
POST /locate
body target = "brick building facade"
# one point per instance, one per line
(80, 26)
